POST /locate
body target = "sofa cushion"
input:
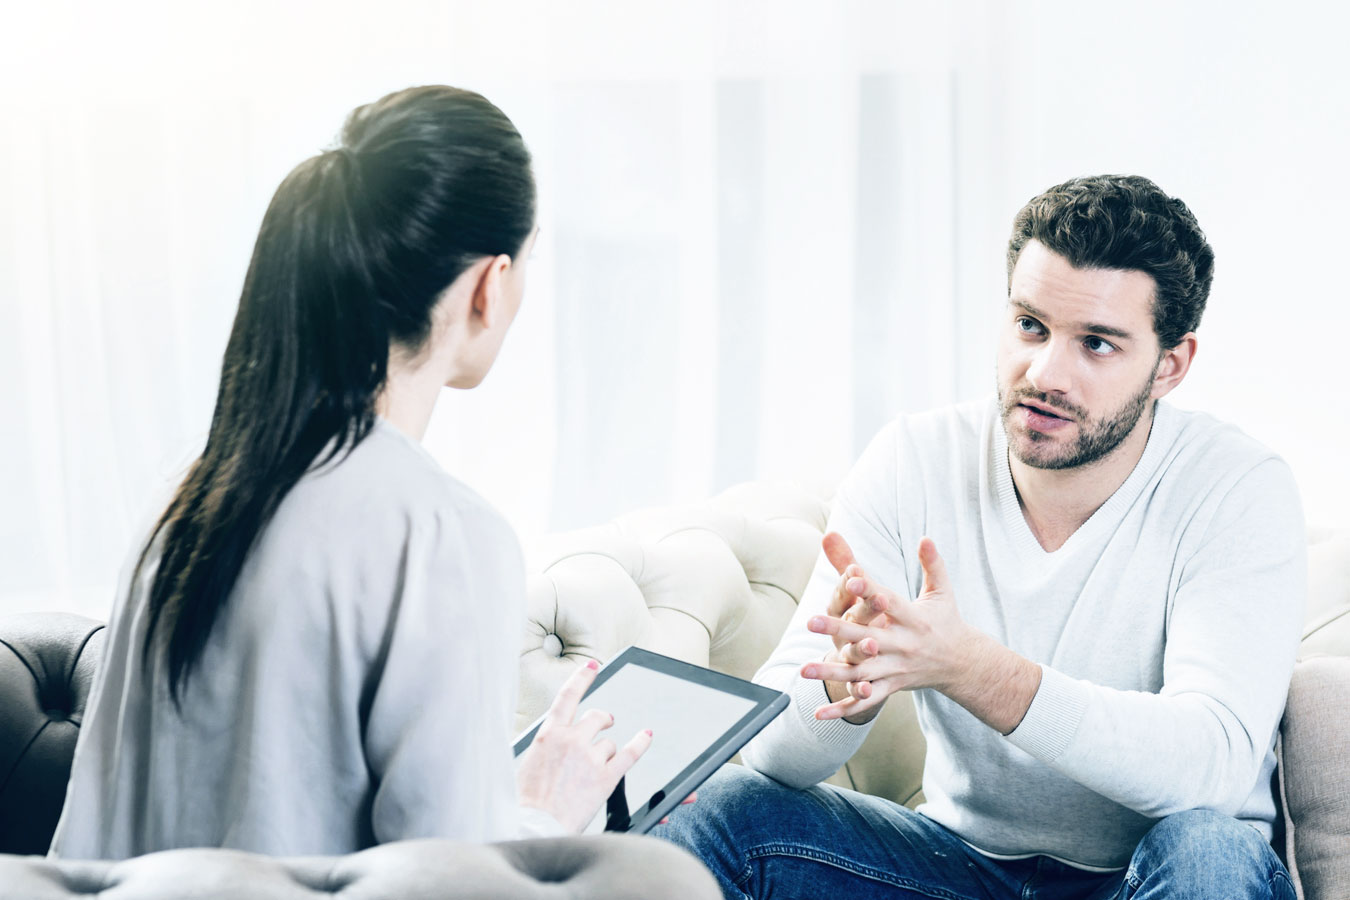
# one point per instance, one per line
(1315, 777)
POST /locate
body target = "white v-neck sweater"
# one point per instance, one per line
(1166, 629)
(358, 687)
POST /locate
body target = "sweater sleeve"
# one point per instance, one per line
(437, 734)
(1232, 636)
(797, 749)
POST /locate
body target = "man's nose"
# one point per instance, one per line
(1050, 371)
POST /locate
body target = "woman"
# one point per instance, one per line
(315, 649)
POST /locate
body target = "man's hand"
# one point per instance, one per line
(924, 644)
(848, 603)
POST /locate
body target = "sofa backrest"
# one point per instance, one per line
(47, 667)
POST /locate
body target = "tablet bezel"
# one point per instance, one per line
(768, 704)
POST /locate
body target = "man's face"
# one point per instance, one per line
(1076, 359)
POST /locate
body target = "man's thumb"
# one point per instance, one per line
(837, 551)
(934, 569)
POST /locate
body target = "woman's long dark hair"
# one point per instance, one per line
(356, 247)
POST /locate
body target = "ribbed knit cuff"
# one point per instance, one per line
(1053, 718)
(808, 695)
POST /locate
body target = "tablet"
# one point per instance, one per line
(699, 719)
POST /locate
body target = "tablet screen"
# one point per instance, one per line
(685, 719)
(698, 718)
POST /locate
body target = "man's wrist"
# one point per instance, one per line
(996, 685)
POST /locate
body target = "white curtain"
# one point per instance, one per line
(767, 228)
(748, 259)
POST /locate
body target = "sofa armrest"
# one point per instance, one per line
(712, 583)
(1315, 777)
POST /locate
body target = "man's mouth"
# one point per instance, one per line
(1044, 410)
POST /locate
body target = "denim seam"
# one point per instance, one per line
(812, 853)
(1133, 881)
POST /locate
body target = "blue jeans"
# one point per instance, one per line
(763, 840)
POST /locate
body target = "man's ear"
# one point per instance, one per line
(489, 288)
(1173, 366)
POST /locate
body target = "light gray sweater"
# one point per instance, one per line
(358, 688)
(1166, 629)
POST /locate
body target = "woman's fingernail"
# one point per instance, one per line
(816, 622)
(592, 664)
(648, 732)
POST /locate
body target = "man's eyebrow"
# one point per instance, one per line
(1090, 327)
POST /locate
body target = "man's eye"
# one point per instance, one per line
(1098, 346)
(1028, 325)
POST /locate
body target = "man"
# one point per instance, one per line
(1094, 596)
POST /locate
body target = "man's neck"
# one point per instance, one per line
(1056, 502)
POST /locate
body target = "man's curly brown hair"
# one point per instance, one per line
(1125, 222)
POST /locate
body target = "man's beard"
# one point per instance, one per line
(1095, 440)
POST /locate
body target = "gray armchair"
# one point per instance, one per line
(47, 666)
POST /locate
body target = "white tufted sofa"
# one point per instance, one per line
(715, 583)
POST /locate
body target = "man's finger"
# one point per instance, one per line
(847, 632)
(840, 672)
(564, 705)
(837, 551)
(874, 599)
(860, 689)
(859, 651)
(876, 605)
(934, 569)
(630, 753)
(849, 706)
(841, 600)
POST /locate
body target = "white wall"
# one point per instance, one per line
(1242, 110)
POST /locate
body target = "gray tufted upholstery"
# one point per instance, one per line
(611, 866)
(47, 667)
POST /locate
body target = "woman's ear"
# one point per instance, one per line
(489, 291)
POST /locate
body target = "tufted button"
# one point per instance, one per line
(55, 699)
(553, 645)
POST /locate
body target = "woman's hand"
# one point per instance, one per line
(565, 771)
